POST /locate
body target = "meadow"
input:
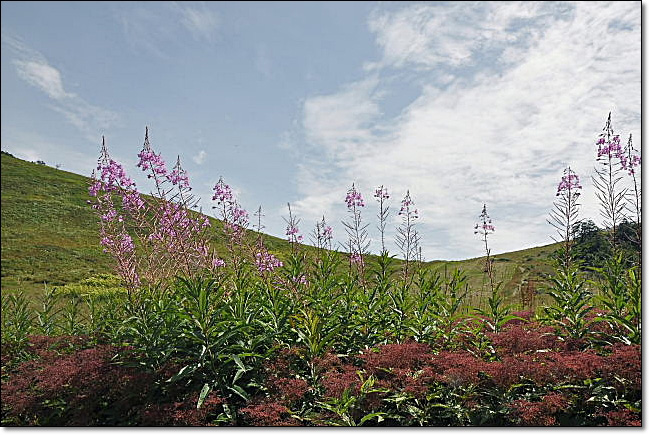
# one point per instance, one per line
(211, 322)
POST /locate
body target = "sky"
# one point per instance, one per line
(460, 103)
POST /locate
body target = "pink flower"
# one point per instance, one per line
(292, 233)
(405, 209)
(356, 259)
(484, 227)
(179, 175)
(353, 198)
(266, 262)
(151, 160)
(222, 192)
(381, 193)
(218, 262)
(569, 182)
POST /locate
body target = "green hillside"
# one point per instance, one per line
(50, 235)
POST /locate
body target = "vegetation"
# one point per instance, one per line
(307, 336)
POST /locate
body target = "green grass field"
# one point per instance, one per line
(50, 236)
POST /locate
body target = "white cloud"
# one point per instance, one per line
(43, 76)
(427, 36)
(202, 22)
(501, 135)
(200, 157)
(34, 68)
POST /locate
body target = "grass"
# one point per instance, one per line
(50, 235)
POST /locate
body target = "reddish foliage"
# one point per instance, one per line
(539, 413)
(622, 418)
(409, 355)
(624, 363)
(289, 390)
(286, 363)
(82, 380)
(458, 368)
(269, 414)
(546, 368)
(524, 338)
(182, 413)
(336, 381)
(327, 362)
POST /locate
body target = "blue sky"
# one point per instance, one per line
(462, 103)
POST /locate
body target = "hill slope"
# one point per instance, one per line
(50, 234)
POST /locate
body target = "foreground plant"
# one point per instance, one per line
(358, 242)
(607, 181)
(564, 216)
(151, 239)
(407, 238)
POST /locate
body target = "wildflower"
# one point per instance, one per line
(322, 234)
(266, 262)
(239, 216)
(113, 174)
(292, 233)
(381, 193)
(218, 262)
(222, 192)
(484, 227)
(407, 237)
(153, 161)
(110, 215)
(353, 198)
(150, 160)
(95, 187)
(569, 181)
(179, 175)
(356, 258)
(406, 210)
(132, 200)
(610, 148)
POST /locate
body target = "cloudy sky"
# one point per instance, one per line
(461, 103)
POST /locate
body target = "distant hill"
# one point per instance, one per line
(50, 234)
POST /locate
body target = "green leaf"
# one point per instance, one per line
(378, 415)
(239, 363)
(204, 393)
(239, 391)
(181, 374)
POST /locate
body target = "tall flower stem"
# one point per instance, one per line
(606, 181)
(407, 237)
(564, 215)
(484, 228)
(357, 231)
(381, 194)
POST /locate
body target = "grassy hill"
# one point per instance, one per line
(50, 235)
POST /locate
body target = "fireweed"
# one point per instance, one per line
(235, 221)
(619, 278)
(295, 273)
(110, 183)
(216, 338)
(611, 162)
(484, 228)
(630, 161)
(358, 242)
(165, 237)
(381, 195)
(564, 216)
(407, 237)
(321, 235)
